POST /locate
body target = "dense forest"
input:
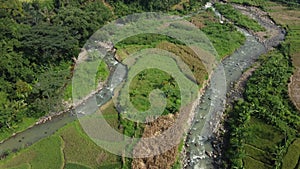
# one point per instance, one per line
(39, 41)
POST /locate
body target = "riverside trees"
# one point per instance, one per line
(265, 101)
(38, 41)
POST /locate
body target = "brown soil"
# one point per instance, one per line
(164, 160)
(283, 15)
(294, 88)
(200, 19)
(189, 57)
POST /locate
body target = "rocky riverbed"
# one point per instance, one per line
(203, 148)
(273, 35)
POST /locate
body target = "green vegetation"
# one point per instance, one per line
(61, 149)
(265, 134)
(151, 79)
(89, 154)
(264, 126)
(291, 3)
(252, 163)
(44, 154)
(190, 58)
(38, 41)
(125, 7)
(224, 37)
(111, 115)
(248, 118)
(75, 166)
(178, 163)
(102, 73)
(263, 4)
(291, 159)
(238, 18)
(68, 92)
(142, 41)
(26, 122)
(294, 42)
(149, 40)
(250, 2)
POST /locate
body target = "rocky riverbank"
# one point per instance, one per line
(198, 144)
(273, 35)
(69, 107)
(235, 93)
(270, 38)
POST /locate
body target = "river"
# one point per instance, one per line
(198, 146)
(199, 151)
(40, 131)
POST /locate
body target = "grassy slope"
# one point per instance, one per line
(266, 135)
(189, 57)
(292, 158)
(260, 143)
(250, 163)
(62, 149)
(44, 154)
(250, 2)
(224, 37)
(238, 18)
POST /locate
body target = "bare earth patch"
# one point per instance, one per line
(164, 160)
(294, 88)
